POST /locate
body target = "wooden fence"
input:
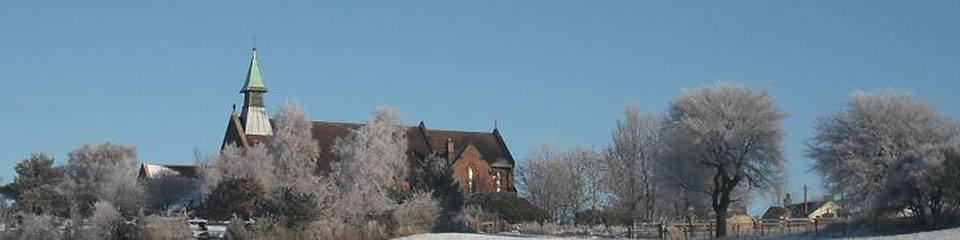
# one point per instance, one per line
(700, 229)
(696, 229)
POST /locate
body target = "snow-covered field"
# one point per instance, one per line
(473, 236)
(953, 233)
(932, 235)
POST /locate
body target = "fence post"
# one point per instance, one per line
(663, 230)
(713, 229)
(762, 228)
(816, 228)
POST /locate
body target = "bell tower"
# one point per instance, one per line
(254, 116)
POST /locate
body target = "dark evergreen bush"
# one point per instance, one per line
(508, 206)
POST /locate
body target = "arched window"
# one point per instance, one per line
(498, 181)
(470, 180)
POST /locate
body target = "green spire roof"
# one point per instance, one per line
(254, 80)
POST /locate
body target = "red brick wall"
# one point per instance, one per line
(471, 158)
(484, 177)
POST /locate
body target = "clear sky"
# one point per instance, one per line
(162, 75)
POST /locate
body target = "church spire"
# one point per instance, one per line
(254, 116)
(254, 80)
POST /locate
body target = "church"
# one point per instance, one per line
(480, 161)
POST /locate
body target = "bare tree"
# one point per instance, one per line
(106, 172)
(372, 165)
(727, 135)
(590, 168)
(637, 142)
(543, 181)
(572, 195)
(886, 150)
(562, 183)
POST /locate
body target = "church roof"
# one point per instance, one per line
(421, 141)
(254, 81)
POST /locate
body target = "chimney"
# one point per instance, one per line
(787, 200)
(805, 210)
(450, 150)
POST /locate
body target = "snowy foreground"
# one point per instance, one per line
(953, 233)
(942, 234)
(472, 236)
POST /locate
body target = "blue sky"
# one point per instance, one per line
(162, 75)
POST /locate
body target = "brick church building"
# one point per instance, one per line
(480, 161)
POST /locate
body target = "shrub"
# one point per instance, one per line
(335, 228)
(293, 208)
(374, 230)
(237, 230)
(606, 217)
(238, 196)
(105, 221)
(38, 227)
(156, 227)
(508, 206)
(538, 228)
(417, 215)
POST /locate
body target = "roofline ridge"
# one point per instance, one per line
(403, 125)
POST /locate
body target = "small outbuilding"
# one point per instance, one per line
(812, 210)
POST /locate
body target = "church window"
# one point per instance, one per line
(498, 181)
(470, 180)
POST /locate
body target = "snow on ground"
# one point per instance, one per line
(941, 234)
(932, 235)
(474, 236)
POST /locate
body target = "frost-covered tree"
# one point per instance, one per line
(637, 142)
(886, 151)
(293, 148)
(372, 164)
(726, 136)
(106, 172)
(287, 162)
(235, 163)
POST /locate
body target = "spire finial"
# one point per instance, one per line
(495, 124)
(254, 43)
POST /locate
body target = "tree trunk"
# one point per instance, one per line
(721, 201)
(721, 212)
